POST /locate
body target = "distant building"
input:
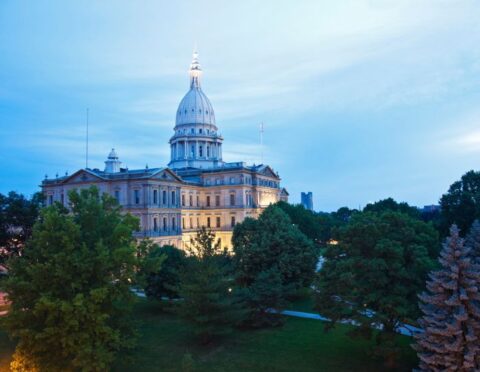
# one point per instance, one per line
(196, 189)
(307, 200)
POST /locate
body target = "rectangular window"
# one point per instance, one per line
(198, 201)
(174, 202)
(164, 197)
(232, 199)
(164, 224)
(191, 200)
(191, 223)
(218, 222)
(198, 222)
(117, 195)
(173, 223)
(50, 199)
(208, 222)
(136, 196)
(232, 222)
(208, 200)
(217, 200)
(155, 196)
(62, 199)
(183, 223)
(155, 225)
(183, 200)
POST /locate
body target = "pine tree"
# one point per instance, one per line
(473, 241)
(209, 302)
(451, 320)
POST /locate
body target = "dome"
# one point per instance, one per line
(195, 107)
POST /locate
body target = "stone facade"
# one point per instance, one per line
(197, 189)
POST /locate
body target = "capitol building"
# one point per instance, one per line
(196, 189)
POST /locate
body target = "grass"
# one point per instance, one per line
(166, 343)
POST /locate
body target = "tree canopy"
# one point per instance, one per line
(461, 204)
(17, 217)
(376, 270)
(70, 290)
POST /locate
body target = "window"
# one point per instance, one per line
(191, 130)
(136, 196)
(208, 151)
(164, 224)
(193, 151)
(183, 223)
(155, 224)
(200, 131)
(200, 151)
(155, 196)
(173, 223)
(232, 221)
(50, 199)
(164, 197)
(217, 200)
(191, 222)
(218, 221)
(198, 201)
(232, 199)
(183, 200)
(232, 180)
(208, 221)
(208, 200)
(174, 202)
(117, 195)
(62, 199)
(191, 200)
(198, 222)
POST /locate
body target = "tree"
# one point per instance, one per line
(267, 245)
(70, 290)
(209, 302)
(461, 204)
(315, 226)
(375, 272)
(451, 308)
(165, 282)
(473, 242)
(390, 204)
(17, 217)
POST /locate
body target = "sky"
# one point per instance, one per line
(360, 100)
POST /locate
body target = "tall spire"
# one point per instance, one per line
(195, 71)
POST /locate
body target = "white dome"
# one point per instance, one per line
(195, 108)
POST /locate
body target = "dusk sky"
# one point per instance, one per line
(361, 100)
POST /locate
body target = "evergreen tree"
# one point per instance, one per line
(473, 241)
(209, 302)
(451, 308)
(273, 259)
(70, 290)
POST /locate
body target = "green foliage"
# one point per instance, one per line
(165, 282)
(461, 204)
(315, 226)
(70, 290)
(150, 261)
(271, 248)
(391, 205)
(208, 301)
(376, 270)
(17, 217)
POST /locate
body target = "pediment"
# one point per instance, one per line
(166, 175)
(267, 171)
(82, 176)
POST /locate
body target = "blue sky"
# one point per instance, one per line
(361, 100)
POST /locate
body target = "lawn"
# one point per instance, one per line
(300, 345)
(166, 344)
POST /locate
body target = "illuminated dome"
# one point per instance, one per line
(195, 107)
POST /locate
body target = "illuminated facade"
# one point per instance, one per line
(196, 189)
